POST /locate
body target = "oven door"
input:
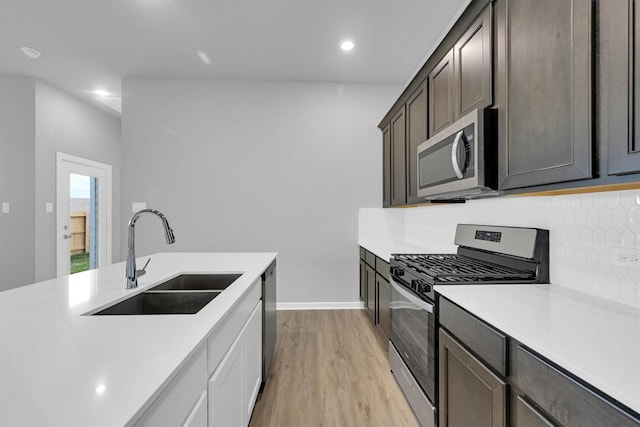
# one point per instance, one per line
(413, 335)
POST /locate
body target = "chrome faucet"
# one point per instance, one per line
(131, 272)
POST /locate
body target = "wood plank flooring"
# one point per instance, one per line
(330, 368)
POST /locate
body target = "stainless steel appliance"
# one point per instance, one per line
(269, 323)
(461, 160)
(486, 255)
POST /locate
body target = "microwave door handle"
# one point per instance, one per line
(454, 154)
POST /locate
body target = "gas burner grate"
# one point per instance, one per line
(448, 268)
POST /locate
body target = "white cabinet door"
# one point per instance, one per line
(178, 399)
(234, 385)
(252, 359)
(198, 416)
(226, 402)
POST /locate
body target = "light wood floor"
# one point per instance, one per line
(330, 368)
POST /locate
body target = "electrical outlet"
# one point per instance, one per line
(625, 257)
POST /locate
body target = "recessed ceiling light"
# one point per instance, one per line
(346, 45)
(100, 92)
(30, 52)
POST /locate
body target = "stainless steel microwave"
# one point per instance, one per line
(460, 162)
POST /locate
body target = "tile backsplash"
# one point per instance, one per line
(583, 230)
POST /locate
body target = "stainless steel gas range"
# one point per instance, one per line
(486, 255)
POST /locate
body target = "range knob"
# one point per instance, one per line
(422, 287)
(396, 271)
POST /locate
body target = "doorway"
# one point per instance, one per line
(83, 215)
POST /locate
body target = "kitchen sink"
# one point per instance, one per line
(169, 302)
(198, 282)
(184, 294)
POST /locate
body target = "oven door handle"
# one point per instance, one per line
(424, 305)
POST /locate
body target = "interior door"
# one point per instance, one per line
(83, 214)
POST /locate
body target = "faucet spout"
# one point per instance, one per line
(131, 272)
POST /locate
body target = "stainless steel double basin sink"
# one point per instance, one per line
(184, 294)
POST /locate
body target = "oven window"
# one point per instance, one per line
(413, 335)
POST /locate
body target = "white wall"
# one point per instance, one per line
(583, 229)
(68, 125)
(17, 175)
(36, 121)
(258, 166)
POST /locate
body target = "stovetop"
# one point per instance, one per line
(453, 269)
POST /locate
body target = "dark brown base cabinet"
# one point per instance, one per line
(472, 370)
(477, 389)
(547, 394)
(375, 290)
(384, 297)
(363, 276)
(470, 394)
(372, 295)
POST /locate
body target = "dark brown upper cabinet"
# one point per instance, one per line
(386, 166)
(441, 95)
(472, 61)
(398, 160)
(544, 69)
(416, 135)
(620, 19)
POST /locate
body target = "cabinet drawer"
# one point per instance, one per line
(223, 335)
(362, 252)
(382, 267)
(370, 259)
(563, 398)
(485, 341)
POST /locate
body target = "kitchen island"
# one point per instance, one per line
(60, 366)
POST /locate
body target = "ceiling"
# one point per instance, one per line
(94, 44)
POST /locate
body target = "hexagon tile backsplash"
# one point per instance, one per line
(587, 231)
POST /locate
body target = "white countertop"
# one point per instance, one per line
(596, 340)
(60, 368)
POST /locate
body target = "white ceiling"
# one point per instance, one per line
(94, 44)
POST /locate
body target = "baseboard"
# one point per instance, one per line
(319, 305)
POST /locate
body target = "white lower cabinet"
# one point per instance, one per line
(198, 415)
(252, 356)
(179, 400)
(234, 385)
(231, 359)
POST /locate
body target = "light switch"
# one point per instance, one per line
(6, 207)
(138, 206)
(48, 207)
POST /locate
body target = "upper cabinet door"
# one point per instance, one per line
(472, 61)
(386, 166)
(620, 20)
(544, 66)
(416, 135)
(441, 95)
(398, 168)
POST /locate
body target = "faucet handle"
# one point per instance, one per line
(144, 269)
